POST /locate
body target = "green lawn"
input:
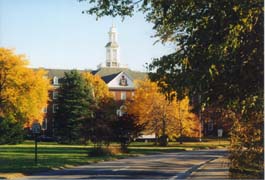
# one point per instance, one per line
(20, 158)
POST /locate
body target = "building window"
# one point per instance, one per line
(54, 108)
(123, 95)
(132, 94)
(115, 53)
(55, 80)
(112, 37)
(119, 112)
(54, 95)
(108, 54)
(44, 124)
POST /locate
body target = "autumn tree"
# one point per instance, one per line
(164, 118)
(98, 127)
(74, 107)
(219, 57)
(100, 89)
(23, 93)
(187, 124)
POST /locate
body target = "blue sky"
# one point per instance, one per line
(55, 34)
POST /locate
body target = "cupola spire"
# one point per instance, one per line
(112, 49)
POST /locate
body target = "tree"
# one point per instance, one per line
(11, 130)
(219, 56)
(187, 124)
(23, 94)
(100, 89)
(74, 107)
(98, 127)
(125, 130)
(167, 119)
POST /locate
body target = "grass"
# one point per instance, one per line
(20, 158)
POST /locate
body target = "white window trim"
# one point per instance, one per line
(54, 108)
(123, 95)
(54, 95)
(55, 80)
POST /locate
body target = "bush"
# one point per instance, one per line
(104, 151)
(11, 131)
(99, 151)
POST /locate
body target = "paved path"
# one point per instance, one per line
(215, 169)
(161, 166)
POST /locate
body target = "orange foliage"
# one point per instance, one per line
(162, 117)
(100, 88)
(23, 91)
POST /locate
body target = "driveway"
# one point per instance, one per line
(160, 166)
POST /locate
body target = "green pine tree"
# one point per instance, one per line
(75, 101)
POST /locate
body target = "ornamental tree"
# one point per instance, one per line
(23, 94)
(164, 118)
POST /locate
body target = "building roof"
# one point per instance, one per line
(60, 72)
(108, 78)
(106, 72)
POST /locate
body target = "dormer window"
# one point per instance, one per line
(55, 80)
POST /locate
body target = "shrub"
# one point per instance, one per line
(11, 131)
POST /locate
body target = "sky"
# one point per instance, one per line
(55, 34)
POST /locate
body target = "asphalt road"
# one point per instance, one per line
(160, 166)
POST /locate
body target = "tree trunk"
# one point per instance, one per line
(163, 138)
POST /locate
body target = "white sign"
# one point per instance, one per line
(220, 132)
(36, 128)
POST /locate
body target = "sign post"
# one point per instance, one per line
(36, 130)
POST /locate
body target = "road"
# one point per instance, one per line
(160, 166)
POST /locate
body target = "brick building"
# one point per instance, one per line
(118, 78)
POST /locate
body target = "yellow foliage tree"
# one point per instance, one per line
(23, 91)
(160, 116)
(187, 123)
(100, 89)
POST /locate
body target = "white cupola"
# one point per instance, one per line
(112, 49)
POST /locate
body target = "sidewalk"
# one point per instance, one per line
(215, 169)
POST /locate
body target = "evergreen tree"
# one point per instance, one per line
(74, 107)
(11, 130)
